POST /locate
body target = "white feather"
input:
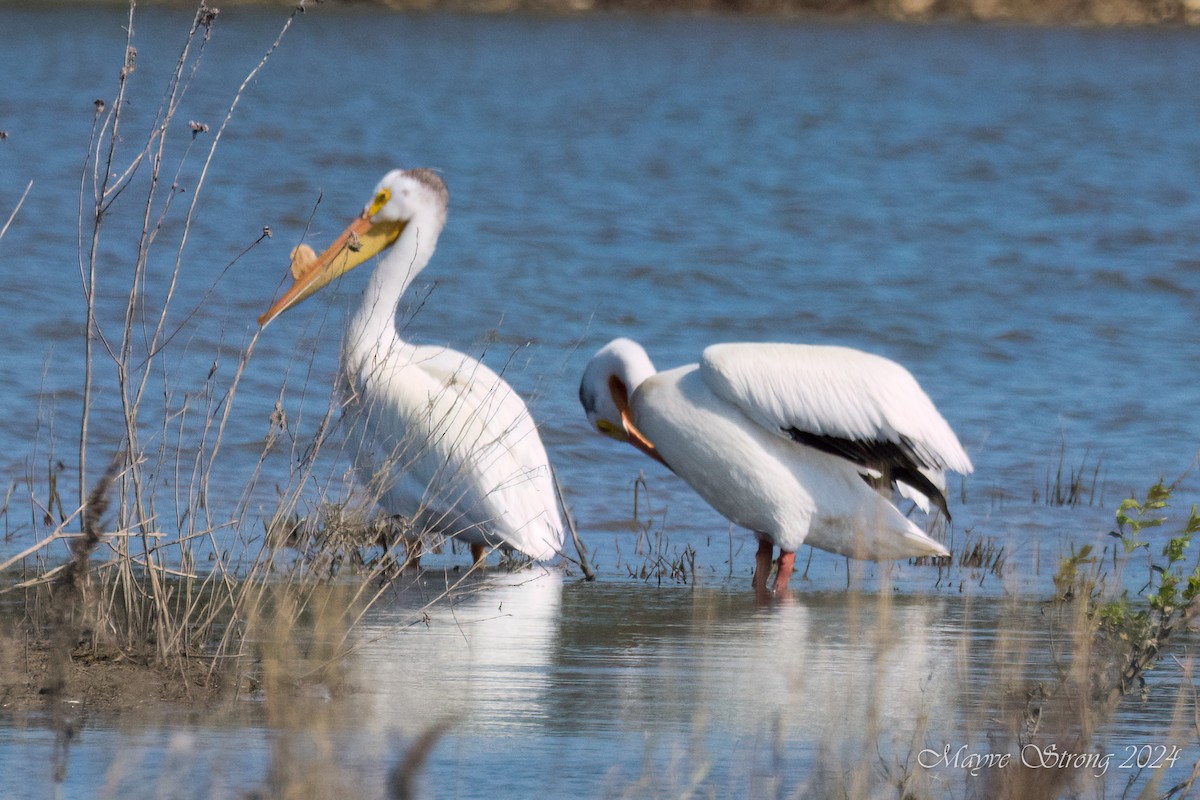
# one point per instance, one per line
(833, 391)
(444, 438)
(722, 426)
(764, 482)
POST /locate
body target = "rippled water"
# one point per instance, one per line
(563, 688)
(1011, 213)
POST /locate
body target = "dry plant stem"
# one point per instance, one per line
(244, 599)
(579, 548)
(16, 209)
(1187, 697)
(36, 546)
(154, 603)
(133, 378)
(65, 614)
(87, 266)
(191, 212)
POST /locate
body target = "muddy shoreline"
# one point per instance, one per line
(96, 681)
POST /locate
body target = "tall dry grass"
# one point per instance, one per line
(152, 574)
(154, 596)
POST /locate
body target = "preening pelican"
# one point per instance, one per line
(779, 437)
(439, 436)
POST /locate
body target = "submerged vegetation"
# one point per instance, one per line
(1072, 486)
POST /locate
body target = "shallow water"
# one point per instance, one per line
(561, 688)
(1011, 213)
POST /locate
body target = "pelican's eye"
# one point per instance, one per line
(381, 200)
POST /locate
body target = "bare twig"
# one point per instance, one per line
(579, 548)
(16, 208)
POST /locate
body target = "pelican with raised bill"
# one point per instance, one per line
(437, 435)
(786, 440)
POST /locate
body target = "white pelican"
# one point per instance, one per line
(439, 436)
(779, 437)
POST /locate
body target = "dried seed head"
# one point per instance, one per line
(130, 61)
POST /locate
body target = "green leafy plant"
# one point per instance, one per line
(1070, 580)
(1170, 591)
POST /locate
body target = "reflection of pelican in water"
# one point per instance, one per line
(483, 657)
(818, 676)
(778, 439)
(441, 436)
(831, 666)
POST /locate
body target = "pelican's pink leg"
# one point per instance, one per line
(762, 565)
(787, 562)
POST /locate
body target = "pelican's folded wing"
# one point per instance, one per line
(478, 449)
(856, 405)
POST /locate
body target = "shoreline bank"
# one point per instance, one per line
(1087, 13)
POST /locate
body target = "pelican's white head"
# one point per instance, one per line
(407, 194)
(609, 381)
(400, 199)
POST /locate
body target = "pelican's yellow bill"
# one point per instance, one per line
(361, 240)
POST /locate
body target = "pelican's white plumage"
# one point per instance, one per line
(438, 435)
(779, 437)
(832, 391)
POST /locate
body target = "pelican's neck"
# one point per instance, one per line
(371, 331)
(627, 362)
